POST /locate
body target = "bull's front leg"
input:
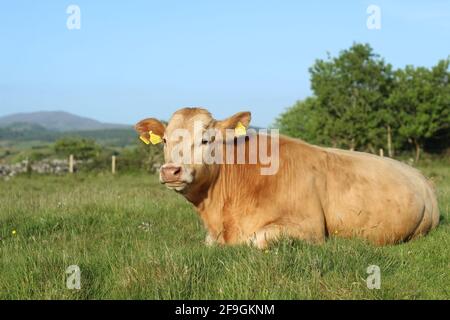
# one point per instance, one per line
(214, 238)
(314, 233)
(210, 240)
(262, 238)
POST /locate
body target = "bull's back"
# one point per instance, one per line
(377, 198)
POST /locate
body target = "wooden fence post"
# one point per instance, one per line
(389, 141)
(113, 164)
(381, 152)
(71, 163)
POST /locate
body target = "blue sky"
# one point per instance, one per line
(135, 59)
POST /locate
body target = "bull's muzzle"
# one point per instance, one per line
(171, 173)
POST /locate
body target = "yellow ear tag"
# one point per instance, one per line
(240, 130)
(144, 139)
(154, 138)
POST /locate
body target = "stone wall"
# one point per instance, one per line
(54, 166)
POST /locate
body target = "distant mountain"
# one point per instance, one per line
(58, 121)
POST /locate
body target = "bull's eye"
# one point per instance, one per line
(164, 140)
(205, 141)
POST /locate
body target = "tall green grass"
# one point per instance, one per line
(133, 239)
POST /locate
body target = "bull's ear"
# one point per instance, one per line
(236, 121)
(150, 130)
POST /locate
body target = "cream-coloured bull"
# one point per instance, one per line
(316, 192)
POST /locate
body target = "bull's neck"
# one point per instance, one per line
(224, 180)
(199, 193)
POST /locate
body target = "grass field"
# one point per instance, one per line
(133, 239)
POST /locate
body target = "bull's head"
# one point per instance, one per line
(189, 139)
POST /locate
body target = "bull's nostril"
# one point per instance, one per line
(177, 171)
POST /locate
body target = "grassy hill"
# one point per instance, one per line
(26, 140)
(20, 132)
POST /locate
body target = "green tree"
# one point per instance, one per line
(360, 103)
(351, 91)
(421, 99)
(142, 156)
(305, 120)
(81, 148)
